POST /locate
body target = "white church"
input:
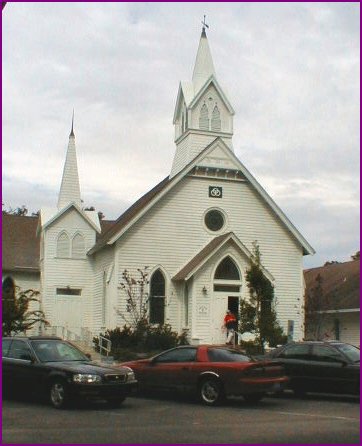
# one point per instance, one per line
(194, 230)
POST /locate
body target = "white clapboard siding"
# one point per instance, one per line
(61, 272)
(173, 232)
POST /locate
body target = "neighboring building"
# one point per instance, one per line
(333, 292)
(194, 230)
(20, 250)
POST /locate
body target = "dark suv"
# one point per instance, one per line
(317, 366)
(57, 369)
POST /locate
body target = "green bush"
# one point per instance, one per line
(128, 343)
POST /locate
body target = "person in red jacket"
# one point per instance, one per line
(230, 325)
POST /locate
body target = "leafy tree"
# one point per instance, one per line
(257, 313)
(332, 262)
(23, 210)
(16, 316)
(136, 311)
(101, 216)
(316, 303)
(356, 256)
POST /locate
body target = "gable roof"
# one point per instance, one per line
(212, 80)
(20, 245)
(49, 215)
(141, 206)
(340, 284)
(211, 248)
(186, 93)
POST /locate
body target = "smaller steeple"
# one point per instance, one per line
(70, 189)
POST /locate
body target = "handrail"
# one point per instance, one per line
(106, 347)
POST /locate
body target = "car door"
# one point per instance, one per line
(329, 371)
(170, 370)
(295, 358)
(18, 366)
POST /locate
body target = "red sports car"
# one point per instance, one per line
(213, 372)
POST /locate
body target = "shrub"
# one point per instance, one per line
(128, 343)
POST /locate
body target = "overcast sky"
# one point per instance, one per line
(290, 70)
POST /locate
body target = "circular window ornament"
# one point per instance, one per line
(214, 220)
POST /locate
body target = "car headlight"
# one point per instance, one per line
(130, 375)
(85, 378)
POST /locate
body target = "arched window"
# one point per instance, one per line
(63, 245)
(8, 288)
(78, 247)
(204, 118)
(157, 298)
(227, 276)
(215, 120)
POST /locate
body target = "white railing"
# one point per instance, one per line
(104, 344)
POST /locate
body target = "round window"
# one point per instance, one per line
(214, 220)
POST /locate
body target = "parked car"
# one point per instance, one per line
(316, 366)
(213, 372)
(51, 367)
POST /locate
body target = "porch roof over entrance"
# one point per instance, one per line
(204, 255)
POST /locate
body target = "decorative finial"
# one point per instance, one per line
(204, 24)
(72, 132)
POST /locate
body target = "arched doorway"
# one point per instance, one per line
(227, 289)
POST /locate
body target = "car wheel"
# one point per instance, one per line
(211, 391)
(59, 394)
(253, 397)
(115, 402)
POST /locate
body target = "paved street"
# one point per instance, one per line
(315, 420)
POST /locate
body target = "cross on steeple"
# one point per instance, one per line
(204, 25)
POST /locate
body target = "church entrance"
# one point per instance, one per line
(222, 302)
(227, 288)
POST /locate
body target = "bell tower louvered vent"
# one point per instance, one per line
(204, 118)
(215, 120)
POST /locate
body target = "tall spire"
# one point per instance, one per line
(69, 189)
(204, 66)
(72, 131)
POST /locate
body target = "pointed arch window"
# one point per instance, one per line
(204, 118)
(227, 276)
(63, 245)
(157, 298)
(78, 246)
(215, 119)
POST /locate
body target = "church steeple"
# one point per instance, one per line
(204, 66)
(69, 189)
(203, 112)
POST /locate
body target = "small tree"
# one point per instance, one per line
(315, 305)
(257, 314)
(136, 310)
(356, 256)
(16, 316)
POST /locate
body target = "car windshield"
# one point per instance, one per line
(50, 350)
(226, 355)
(352, 352)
